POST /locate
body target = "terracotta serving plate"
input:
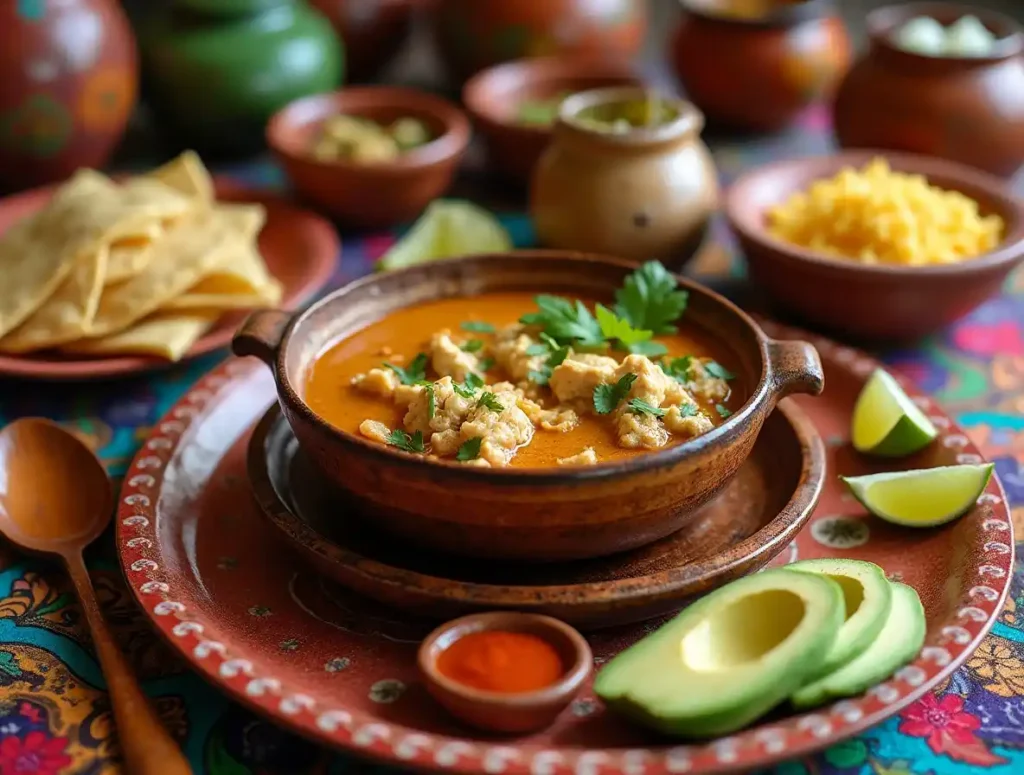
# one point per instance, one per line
(751, 521)
(255, 620)
(300, 249)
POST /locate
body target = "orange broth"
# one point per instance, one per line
(329, 392)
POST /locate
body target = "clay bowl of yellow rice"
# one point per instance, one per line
(873, 245)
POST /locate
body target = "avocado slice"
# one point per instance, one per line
(897, 644)
(868, 597)
(729, 657)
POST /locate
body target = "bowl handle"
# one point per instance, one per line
(261, 335)
(795, 368)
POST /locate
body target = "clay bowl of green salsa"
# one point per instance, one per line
(514, 105)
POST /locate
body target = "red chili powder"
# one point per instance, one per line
(505, 662)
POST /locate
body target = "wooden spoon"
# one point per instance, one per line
(55, 499)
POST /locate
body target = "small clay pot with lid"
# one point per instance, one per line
(966, 109)
(644, 193)
(755, 68)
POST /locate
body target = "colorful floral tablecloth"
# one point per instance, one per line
(54, 715)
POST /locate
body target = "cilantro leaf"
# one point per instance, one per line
(537, 349)
(473, 381)
(615, 327)
(564, 321)
(650, 349)
(639, 406)
(489, 401)
(687, 410)
(469, 450)
(487, 364)
(472, 345)
(477, 327)
(543, 375)
(539, 377)
(415, 372)
(723, 412)
(650, 299)
(679, 368)
(558, 355)
(431, 402)
(404, 441)
(718, 371)
(607, 397)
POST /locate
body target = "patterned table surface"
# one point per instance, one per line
(54, 715)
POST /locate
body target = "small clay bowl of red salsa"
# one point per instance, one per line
(505, 671)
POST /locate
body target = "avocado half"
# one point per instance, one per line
(897, 644)
(730, 657)
(868, 597)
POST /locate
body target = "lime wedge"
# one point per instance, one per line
(886, 422)
(921, 498)
(448, 228)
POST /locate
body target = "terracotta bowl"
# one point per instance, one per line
(523, 514)
(870, 302)
(370, 195)
(493, 97)
(509, 713)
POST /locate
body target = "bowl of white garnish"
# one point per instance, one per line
(940, 79)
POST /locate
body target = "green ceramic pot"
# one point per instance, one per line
(215, 77)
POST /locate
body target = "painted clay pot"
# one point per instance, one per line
(647, 193)
(759, 73)
(70, 78)
(216, 78)
(969, 110)
(472, 35)
(373, 31)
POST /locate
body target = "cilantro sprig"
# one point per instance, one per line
(469, 386)
(679, 368)
(415, 372)
(565, 321)
(639, 406)
(403, 441)
(469, 450)
(718, 371)
(608, 397)
(723, 411)
(555, 356)
(490, 401)
(473, 345)
(477, 327)
(651, 300)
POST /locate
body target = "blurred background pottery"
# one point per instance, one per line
(372, 31)
(370, 194)
(759, 71)
(969, 110)
(870, 302)
(252, 57)
(643, 194)
(70, 78)
(471, 35)
(495, 97)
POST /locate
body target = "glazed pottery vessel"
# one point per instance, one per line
(642, 194)
(759, 73)
(69, 84)
(544, 514)
(216, 72)
(382, 193)
(373, 31)
(508, 713)
(493, 98)
(969, 110)
(471, 35)
(872, 302)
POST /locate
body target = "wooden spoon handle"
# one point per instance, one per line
(146, 746)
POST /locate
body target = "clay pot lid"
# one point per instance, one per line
(500, 711)
(784, 15)
(749, 198)
(883, 23)
(688, 124)
(291, 129)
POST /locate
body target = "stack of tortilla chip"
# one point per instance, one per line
(140, 267)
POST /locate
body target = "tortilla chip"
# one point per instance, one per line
(168, 336)
(186, 253)
(187, 175)
(67, 314)
(130, 255)
(241, 282)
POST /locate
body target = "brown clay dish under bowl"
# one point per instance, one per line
(493, 98)
(870, 302)
(509, 713)
(525, 514)
(378, 194)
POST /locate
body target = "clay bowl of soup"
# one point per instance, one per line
(515, 105)
(876, 246)
(453, 424)
(370, 156)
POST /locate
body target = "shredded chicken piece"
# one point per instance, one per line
(375, 431)
(687, 426)
(450, 360)
(510, 346)
(702, 384)
(380, 382)
(574, 380)
(561, 419)
(503, 432)
(585, 458)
